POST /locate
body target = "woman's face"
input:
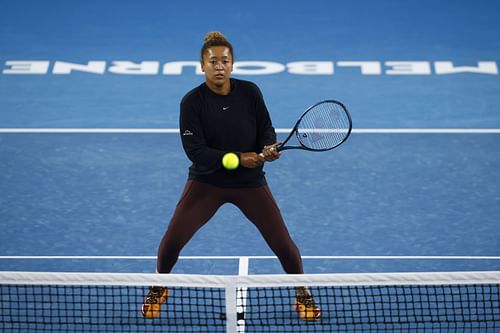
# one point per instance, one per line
(217, 65)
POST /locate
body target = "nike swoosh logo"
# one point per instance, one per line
(224, 108)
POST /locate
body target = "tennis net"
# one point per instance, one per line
(381, 302)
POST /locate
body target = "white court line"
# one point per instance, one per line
(278, 130)
(243, 260)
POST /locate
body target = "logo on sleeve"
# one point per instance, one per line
(187, 133)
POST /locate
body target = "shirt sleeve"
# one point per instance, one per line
(207, 159)
(266, 133)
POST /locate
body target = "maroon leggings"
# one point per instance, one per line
(198, 204)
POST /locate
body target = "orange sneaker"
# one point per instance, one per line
(151, 307)
(305, 306)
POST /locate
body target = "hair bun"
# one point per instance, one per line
(213, 39)
(214, 35)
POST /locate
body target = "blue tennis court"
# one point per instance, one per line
(104, 177)
(92, 164)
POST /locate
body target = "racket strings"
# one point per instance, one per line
(324, 126)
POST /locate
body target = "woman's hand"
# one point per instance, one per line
(270, 153)
(251, 160)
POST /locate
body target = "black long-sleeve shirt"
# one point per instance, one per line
(212, 125)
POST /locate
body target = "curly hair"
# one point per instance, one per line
(215, 38)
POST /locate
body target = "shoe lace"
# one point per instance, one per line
(308, 301)
(153, 295)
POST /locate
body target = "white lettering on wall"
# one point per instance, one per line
(26, 67)
(483, 67)
(391, 67)
(95, 67)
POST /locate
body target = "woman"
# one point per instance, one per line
(225, 115)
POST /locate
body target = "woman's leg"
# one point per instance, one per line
(198, 203)
(261, 209)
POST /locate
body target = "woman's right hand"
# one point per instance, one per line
(251, 160)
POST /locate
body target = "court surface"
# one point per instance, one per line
(92, 166)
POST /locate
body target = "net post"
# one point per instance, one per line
(231, 316)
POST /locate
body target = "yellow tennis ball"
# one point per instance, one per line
(230, 161)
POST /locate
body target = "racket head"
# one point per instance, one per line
(323, 126)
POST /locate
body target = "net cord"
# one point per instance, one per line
(268, 280)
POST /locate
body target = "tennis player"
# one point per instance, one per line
(219, 116)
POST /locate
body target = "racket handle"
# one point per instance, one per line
(274, 148)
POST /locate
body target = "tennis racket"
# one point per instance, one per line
(323, 126)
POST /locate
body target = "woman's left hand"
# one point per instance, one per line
(270, 153)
